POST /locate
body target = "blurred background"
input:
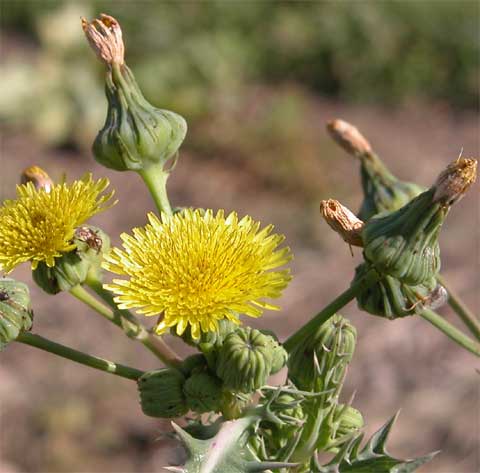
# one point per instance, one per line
(257, 82)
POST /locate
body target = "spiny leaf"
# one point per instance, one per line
(373, 457)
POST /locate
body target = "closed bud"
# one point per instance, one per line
(203, 392)
(349, 420)
(161, 393)
(382, 190)
(37, 176)
(16, 314)
(69, 271)
(279, 354)
(136, 135)
(391, 299)
(245, 360)
(318, 363)
(193, 364)
(404, 244)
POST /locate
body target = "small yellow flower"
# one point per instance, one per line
(196, 268)
(40, 223)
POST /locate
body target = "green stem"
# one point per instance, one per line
(467, 317)
(154, 343)
(155, 179)
(450, 331)
(79, 357)
(343, 299)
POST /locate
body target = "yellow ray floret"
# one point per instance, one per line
(40, 223)
(196, 268)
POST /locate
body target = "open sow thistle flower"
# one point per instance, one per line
(196, 268)
(39, 225)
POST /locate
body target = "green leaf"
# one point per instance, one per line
(374, 456)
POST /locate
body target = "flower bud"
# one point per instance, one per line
(16, 314)
(73, 268)
(161, 393)
(349, 420)
(233, 404)
(245, 360)
(382, 190)
(404, 244)
(390, 298)
(136, 135)
(203, 392)
(39, 178)
(318, 363)
(279, 354)
(193, 364)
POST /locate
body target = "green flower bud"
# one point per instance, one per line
(319, 362)
(349, 420)
(203, 392)
(15, 312)
(69, 271)
(209, 343)
(404, 244)
(390, 298)
(193, 364)
(136, 135)
(233, 404)
(73, 268)
(279, 354)
(245, 360)
(383, 192)
(161, 393)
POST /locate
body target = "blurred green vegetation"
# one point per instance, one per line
(215, 61)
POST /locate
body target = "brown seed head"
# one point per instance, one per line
(105, 37)
(348, 137)
(455, 180)
(39, 178)
(343, 221)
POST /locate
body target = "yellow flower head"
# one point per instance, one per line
(196, 268)
(40, 223)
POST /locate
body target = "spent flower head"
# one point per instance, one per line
(40, 223)
(196, 268)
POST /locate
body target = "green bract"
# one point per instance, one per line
(15, 312)
(136, 135)
(245, 360)
(203, 392)
(319, 362)
(382, 191)
(72, 268)
(404, 244)
(161, 393)
(390, 298)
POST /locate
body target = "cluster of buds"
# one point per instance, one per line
(234, 361)
(398, 228)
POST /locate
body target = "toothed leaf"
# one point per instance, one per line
(374, 456)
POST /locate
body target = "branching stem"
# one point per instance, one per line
(79, 357)
(458, 306)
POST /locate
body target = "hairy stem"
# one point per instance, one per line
(155, 179)
(343, 299)
(450, 331)
(79, 357)
(125, 320)
(458, 306)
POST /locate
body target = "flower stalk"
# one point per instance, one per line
(155, 179)
(79, 357)
(126, 321)
(450, 331)
(368, 280)
(459, 307)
